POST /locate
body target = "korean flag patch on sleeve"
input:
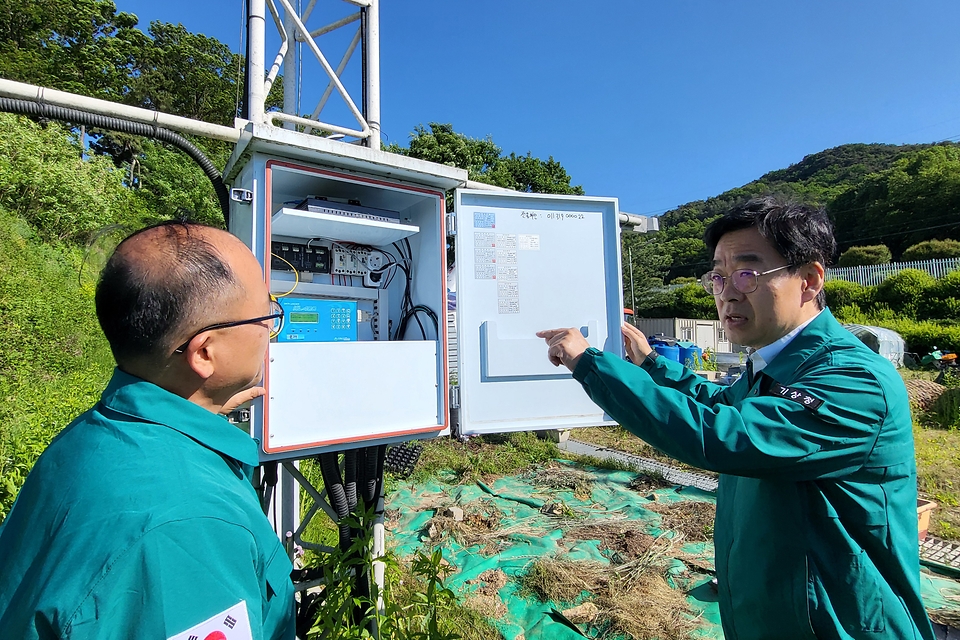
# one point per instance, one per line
(796, 395)
(232, 624)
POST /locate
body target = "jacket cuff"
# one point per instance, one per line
(585, 364)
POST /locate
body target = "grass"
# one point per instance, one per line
(938, 476)
(458, 462)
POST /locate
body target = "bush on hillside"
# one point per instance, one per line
(866, 255)
(942, 300)
(903, 292)
(688, 301)
(44, 180)
(922, 337)
(932, 249)
(842, 293)
(55, 361)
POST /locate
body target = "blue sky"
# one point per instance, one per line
(656, 103)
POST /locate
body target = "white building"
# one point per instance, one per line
(706, 334)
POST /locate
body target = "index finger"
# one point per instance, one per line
(549, 333)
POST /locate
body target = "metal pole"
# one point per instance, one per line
(21, 91)
(290, 87)
(633, 293)
(256, 36)
(372, 88)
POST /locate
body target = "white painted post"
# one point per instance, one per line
(372, 93)
(256, 36)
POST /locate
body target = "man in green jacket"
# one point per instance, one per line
(816, 527)
(140, 519)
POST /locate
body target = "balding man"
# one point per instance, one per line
(140, 519)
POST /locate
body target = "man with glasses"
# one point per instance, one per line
(140, 519)
(816, 527)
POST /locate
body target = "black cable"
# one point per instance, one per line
(75, 116)
(374, 474)
(350, 478)
(330, 471)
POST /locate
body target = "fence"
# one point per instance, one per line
(874, 274)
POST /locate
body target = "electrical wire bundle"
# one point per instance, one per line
(408, 310)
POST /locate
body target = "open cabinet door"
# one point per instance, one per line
(527, 262)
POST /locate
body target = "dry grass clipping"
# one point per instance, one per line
(692, 518)
(649, 482)
(487, 606)
(563, 478)
(623, 541)
(491, 581)
(481, 527)
(634, 598)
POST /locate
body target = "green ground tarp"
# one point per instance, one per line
(514, 521)
(526, 534)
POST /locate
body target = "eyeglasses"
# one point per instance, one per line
(743, 280)
(276, 316)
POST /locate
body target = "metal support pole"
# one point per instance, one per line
(633, 294)
(256, 34)
(379, 550)
(372, 80)
(290, 88)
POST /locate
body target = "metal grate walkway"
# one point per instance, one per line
(676, 476)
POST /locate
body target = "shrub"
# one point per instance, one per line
(842, 293)
(942, 300)
(921, 337)
(44, 180)
(54, 362)
(904, 291)
(932, 249)
(872, 254)
(851, 314)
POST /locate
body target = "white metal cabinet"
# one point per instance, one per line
(527, 262)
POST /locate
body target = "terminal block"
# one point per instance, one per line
(350, 262)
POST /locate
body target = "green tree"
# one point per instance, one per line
(916, 199)
(45, 182)
(932, 249)
(441, 144)
(643, 284)
(866, 255)
(81, 46)
(188, 74)
(532, 175)
(484, 161)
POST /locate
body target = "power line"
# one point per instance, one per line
(902, 233)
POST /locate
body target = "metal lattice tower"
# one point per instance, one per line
(293, 28)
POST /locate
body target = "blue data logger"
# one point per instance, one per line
(317, 320)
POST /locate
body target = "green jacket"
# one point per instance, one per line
(140, 521)
(816, 528)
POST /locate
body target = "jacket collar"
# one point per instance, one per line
(147, 402)
(814, 336)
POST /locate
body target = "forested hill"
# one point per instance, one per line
(895, 195)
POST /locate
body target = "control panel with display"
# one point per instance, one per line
(318, 320)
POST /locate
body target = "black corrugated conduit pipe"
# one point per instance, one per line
(333, 483)
(78, 117)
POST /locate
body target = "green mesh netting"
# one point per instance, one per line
(526, 534)
(529, 517)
